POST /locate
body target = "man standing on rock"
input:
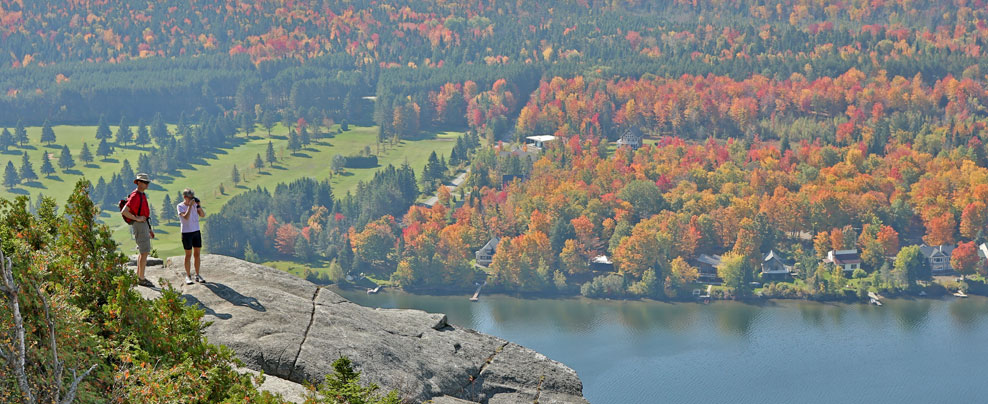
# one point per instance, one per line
(191, 236)
(137, 211)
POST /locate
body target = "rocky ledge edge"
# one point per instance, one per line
(293, 330)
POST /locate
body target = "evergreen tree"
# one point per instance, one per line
(99, 191)
(270, 153)
(303, 249)
(250, 255)
(258, 163)
(293, 142)
(65, 160)
(47, 133)
(103, 150)
(124, 134)
(303, 137)
(144, 164)
(27, 169)
(158, 131)
(126, 172)
(246, 124)
(434, 171)
(167, 209)
(344, 386)
(143, 136)
(85, 155)
(47, 169)
(20, 134)
(6, 139)
(268, 120)
(235, 176)
(10, 177)
(345, 258)
(103, 130)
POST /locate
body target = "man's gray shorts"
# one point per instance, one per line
(142, 234)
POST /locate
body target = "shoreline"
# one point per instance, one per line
(754, 300)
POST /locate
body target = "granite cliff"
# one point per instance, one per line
(292, 329)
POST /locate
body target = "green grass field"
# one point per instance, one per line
(205, 179)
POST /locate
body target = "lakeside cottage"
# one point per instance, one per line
(631, 137)
(848, 260)
(707, 266)
(938, 257)
(774, 267)
(602, 263)
(538, 142)
(485, 254)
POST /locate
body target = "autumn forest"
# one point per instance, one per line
(792, 126)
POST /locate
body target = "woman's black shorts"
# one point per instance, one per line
(193, 239)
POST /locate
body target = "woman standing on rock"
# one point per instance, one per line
(191, 236)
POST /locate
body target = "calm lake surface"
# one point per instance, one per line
(908, 351)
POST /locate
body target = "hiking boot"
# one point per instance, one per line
(144, 282)
(188, 281)
(199, 279)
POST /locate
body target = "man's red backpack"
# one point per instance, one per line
(123, 203)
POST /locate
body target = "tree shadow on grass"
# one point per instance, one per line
(132, 147)
(53, 146)
(263, 173)
(302, 155)
(34, 184)
(156, 187)
(12, 152)
(109, 160)
(28, 147)
(242, 187)
(322, 143)
(278, 137)
(90, 165)
(55, 178)
(236, 142)
(18, 191)
(72, 171)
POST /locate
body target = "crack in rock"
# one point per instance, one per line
(538, 389)
(312, 317)
(475, 378)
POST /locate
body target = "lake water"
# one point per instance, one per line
(907, 351)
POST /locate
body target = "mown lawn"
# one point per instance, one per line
(206, 178)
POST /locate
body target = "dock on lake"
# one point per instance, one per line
(876, 299)
(476, 295)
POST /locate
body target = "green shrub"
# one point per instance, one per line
(343, 386)
(145, 351)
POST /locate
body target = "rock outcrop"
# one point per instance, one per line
(293, 329)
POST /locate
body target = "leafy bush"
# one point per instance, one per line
(611, 285)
